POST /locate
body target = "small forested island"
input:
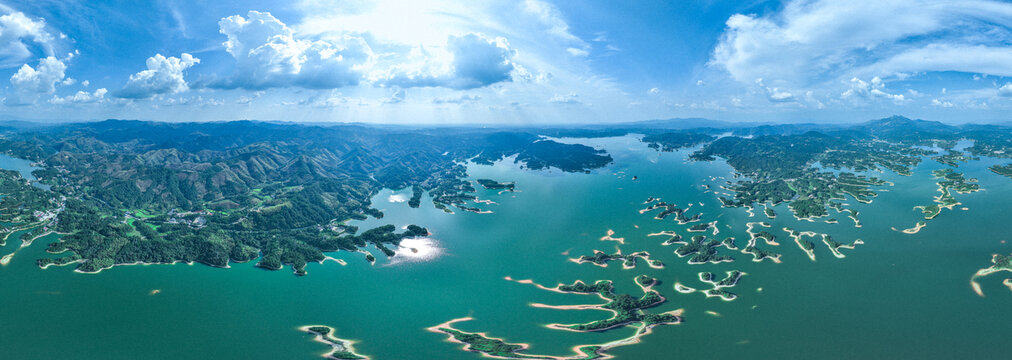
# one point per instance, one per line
(600, 258)
(495, 185)
(770, 213)
(999, 263)
(669, 209)
(703, 250)
(716, 287)
(1003, 170)
(340, 349)
(626, 310)
(953, 157)
(949, 181)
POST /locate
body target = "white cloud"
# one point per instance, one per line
(552, 18)
(269, 54)
(860, 89)
(774, 94)
(822, 40)
(19, 36)
(396, 98)
(941, 103)
(81, 97)
(577, 52)
(467, 62)
(1005, 90)
(571, 98)
(164, 75)
(29, 83)
(193, 100)
(946, 57)
(654, 91)
(457, 100)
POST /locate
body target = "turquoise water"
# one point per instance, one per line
(896, 296)
(22, 166)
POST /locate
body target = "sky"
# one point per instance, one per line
(519, 62)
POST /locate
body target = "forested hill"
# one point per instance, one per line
(131, 191)
(244, 177)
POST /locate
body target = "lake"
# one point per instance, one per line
(896, 296)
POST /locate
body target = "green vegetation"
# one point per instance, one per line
(488, 346)
(495, 185)
(949, 181)
(999, 263)
(235, 191)
(676, 140)
(626, 308)
(1003, 170)
(717, 287)
(703, 250)
(669, 209)
(600, 258)
(781, 168)
(699, 227)
(954, 157)
(499, 349)
(770, 213)
(340, 349)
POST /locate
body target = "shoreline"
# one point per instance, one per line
(920, 225)
(609, 237)
(336, 344)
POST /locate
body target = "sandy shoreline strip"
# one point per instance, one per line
(609, 237)
(920, 225)
(337, 344)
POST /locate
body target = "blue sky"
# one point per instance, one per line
(506, 62)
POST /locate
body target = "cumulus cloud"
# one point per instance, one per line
(19, 36)
(81, 97)
(1005, 90)
(775, 94)
(467, 62)
(941, 103)
(29, 83)
(268, 54)
(163, 76)
(870, 90)
(811, 41)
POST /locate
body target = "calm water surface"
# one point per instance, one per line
(896, 296)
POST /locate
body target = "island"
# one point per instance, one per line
(703, 250)
(770, 213)
(953, 157)
(669, 209)
(600, 258)
(340, 349)
(626, 311)
(949, 182)
(716, 286)
(999, 263)
(1003, 170)
(495, 185)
